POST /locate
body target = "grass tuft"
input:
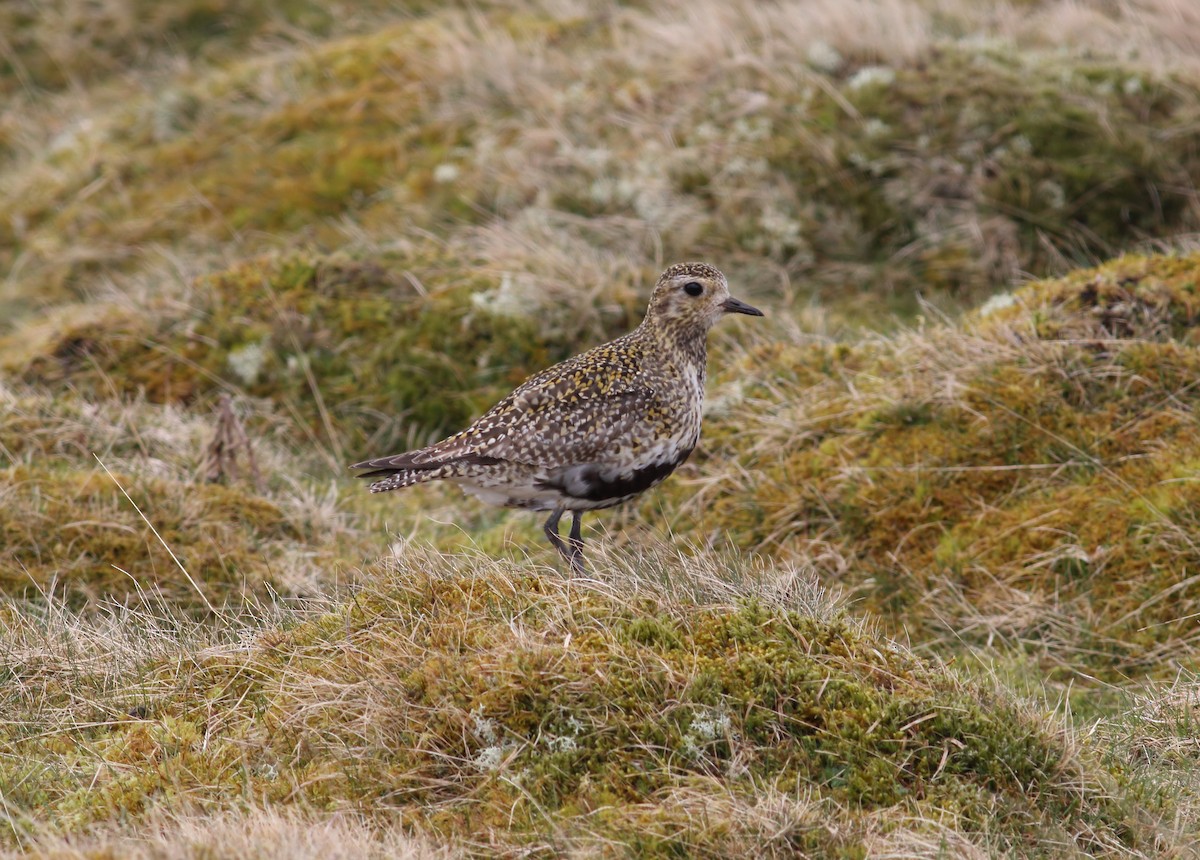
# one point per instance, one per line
(500, 706)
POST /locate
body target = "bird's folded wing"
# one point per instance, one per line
(581, 427)
(571, 413)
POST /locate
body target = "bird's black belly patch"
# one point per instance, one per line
(590, 484)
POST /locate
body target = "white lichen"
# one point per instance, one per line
(566, 742)
(1052, 193)
(490, 756)
(823, 57)
(708, 725)
(444, 173)
(246, 361)
(514, 297)
(875, 127)
(1021, 145)
(485, 727)
(998, 302)
(871, 76)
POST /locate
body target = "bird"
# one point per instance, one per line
(592, 431)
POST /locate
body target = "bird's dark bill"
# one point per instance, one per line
(737, 306)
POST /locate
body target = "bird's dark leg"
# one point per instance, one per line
(576, 542)
(572, 548)
(551, 529)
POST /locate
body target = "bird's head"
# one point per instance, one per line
(692, 297)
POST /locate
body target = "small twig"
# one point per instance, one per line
(221, 458)
(170, 552)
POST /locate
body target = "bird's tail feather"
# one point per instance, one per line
(417, 467)
(399, 478)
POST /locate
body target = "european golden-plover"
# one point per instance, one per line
(592, 431)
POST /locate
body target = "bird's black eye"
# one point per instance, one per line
(693, 288)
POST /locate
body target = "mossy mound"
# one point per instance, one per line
(517, 712)
(76, 534)
(68, 533)
(397, 348)
(979, 166)
(1029, 478)
(234, 157)
(1131, 299)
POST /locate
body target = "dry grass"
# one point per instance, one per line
(260, 834)
(60, 45)
(69, 528)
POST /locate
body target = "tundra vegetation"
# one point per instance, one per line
(929, 587)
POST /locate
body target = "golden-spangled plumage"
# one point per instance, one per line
(592, 431)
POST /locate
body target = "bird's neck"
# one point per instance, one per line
(683, 345)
